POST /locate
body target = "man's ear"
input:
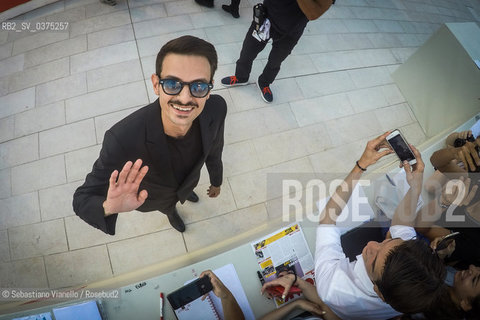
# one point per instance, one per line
(155, 79)
(377, 291)
(465, 305)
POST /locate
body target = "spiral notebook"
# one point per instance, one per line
(198, 309)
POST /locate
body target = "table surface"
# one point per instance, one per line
(141, 301)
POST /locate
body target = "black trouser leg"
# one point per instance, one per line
(169, 210)
(175, 220)
(166, 208)
(234, 5)
(250, 49)
(282, 46)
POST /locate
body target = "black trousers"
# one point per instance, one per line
(282, 46)
(235, 4)
(166, 208)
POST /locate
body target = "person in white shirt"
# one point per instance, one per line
(398, 275)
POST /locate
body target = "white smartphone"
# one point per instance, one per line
(401, 147)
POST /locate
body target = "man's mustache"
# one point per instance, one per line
(188, 104)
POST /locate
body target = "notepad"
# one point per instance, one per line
(228, 275)
(198, 309)
(86, 310)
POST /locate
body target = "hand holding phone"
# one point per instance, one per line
(446, 241)
(190, 292)
(444, 246)
(398, 143)
(374, 151)
(218, 288)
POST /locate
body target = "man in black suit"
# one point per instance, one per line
(172, 138)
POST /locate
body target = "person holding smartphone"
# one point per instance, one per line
(462, 299)
(457, 209)
(383, 281)
(231, 309)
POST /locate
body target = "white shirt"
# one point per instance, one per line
(345, 286)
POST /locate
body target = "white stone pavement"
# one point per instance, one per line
(60, 91)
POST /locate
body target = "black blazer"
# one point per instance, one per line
(141, 136)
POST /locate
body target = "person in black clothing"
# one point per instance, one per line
(172, 138)
(288, 19)
(232, 8)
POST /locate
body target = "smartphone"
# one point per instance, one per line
(401, 147)
(445, 242)
(189, 292)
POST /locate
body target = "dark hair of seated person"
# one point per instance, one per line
(445, 309)
(412, 278)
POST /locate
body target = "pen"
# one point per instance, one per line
(262, 281)
(390, 180)
(161, 305)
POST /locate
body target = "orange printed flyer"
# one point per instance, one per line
(284, 250)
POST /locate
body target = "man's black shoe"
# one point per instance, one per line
(193, 197)
(205, 3)
(175, 221)
(230, 10)
(265, 93)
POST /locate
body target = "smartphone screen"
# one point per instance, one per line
(189, 292)
(401, 148)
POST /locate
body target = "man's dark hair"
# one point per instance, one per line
(412, 278)
(188, 45)
(446, 309)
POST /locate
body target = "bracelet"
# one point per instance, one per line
(363, 169)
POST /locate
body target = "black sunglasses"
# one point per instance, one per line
(198, 89)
